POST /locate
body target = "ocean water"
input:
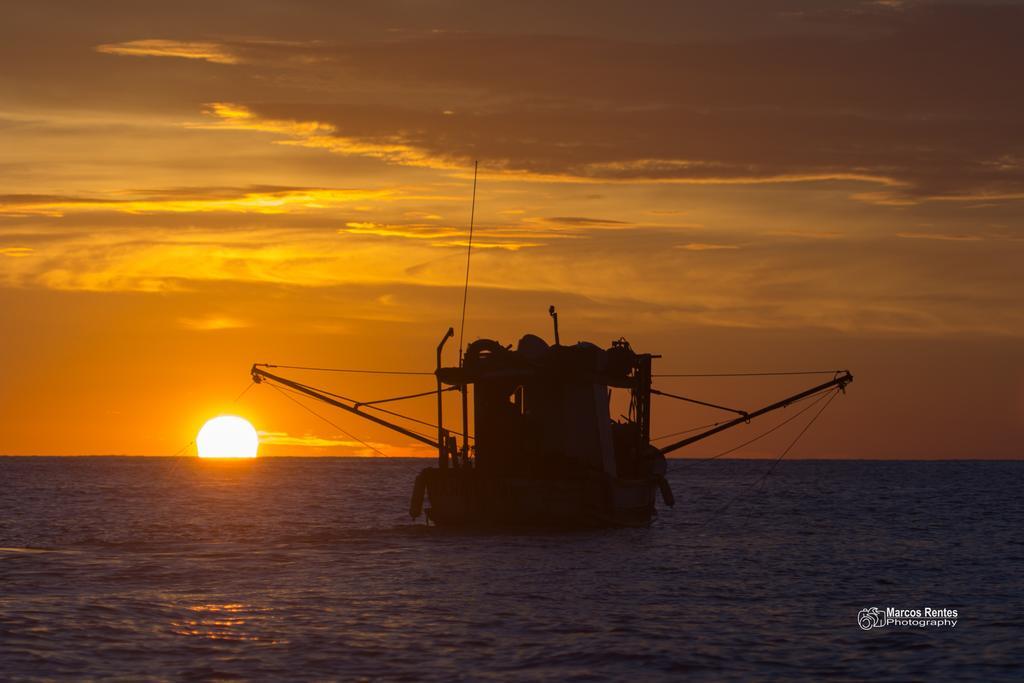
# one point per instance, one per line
(174, 568)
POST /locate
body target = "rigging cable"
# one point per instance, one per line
(302, 405)
(677, 397)
(406, 397)
(383, 410)
(368, 372)
(688, 462)
(790, 447)
(687, 431)
(357, 405)
(405, 417)
(792, 443)
(326, 393)
(184, 448)
(245, 391)
(469, 252)
(748, 374)
(393, 413)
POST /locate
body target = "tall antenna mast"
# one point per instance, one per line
(469, 252)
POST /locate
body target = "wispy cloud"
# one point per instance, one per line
(755, 110)
(704, 246)
(213, 322)
(582, 220)
(511, 239)
(940, 237)
(411, 230)
(394, 148)
(347, 445)
(402, 147)
(185, 49)
(308, 441)
(257, 199)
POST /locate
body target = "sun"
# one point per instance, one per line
(227, 436)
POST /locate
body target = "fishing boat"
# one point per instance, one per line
(543, 450)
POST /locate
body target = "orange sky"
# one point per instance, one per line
(754, 185)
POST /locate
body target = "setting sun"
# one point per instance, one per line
(227, 436)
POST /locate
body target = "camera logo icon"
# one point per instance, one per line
(869, 618)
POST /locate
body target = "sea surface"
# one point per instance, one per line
(281, 569)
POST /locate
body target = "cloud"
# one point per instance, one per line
(883, 284)
(254, 199)
(526, 155)
(409, 230)
(759, 137)
(393, 147)
(766, 95)
(350, 447)
(939, 237)
(579, 220)
(704, 246)
(171, 260)
(827, 103)
(510, 239)
(216, 53)
(213, 322)
(308, 441)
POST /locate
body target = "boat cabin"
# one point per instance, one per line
(543, 411)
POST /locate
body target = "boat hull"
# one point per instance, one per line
(465, 498)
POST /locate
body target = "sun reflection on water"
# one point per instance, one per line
(230, 621)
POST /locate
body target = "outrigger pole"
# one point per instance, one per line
(261, 375)
(840, 380)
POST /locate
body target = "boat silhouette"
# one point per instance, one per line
(544, 450)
